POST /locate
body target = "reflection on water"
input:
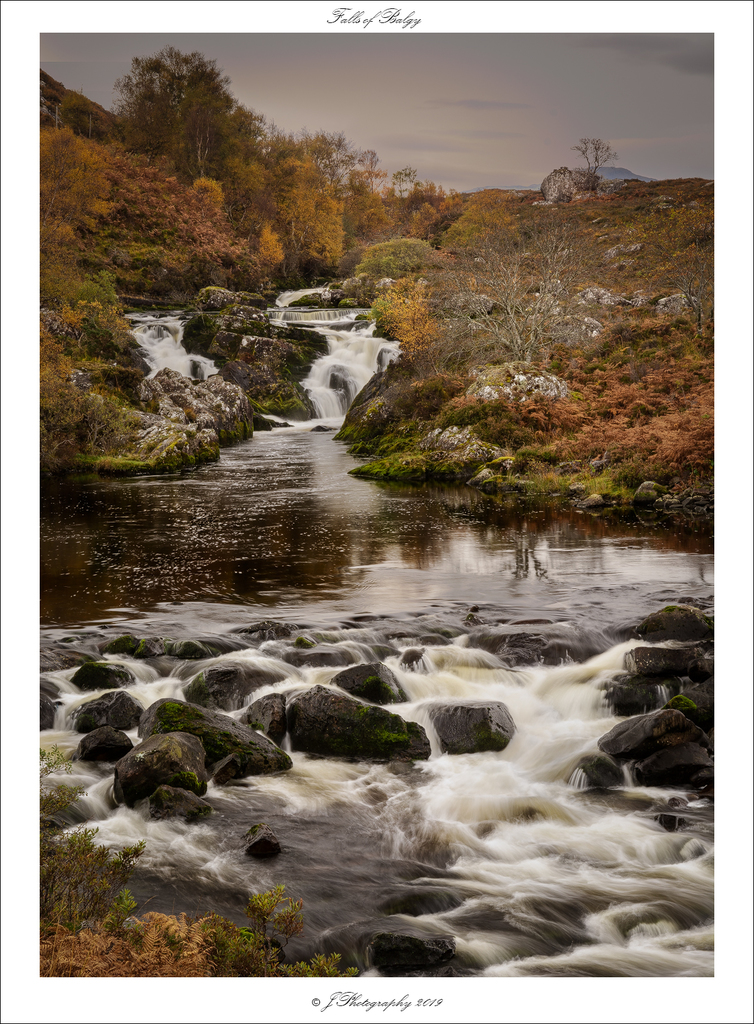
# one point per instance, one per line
(277, 522)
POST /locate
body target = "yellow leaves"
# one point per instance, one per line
(405, 312)
(270, 252)
(209, 191)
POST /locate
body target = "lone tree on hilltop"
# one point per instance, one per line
(596, 153)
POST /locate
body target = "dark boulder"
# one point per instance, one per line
(644, 735)
(601, 772)
(636, 695)
(117, 709)
(266, 629)
(262, 841)
(521, 649)
(697, 703)
(670, 822)
(674, 766)
(374, 682)
(46, 712)
(103, 744)
(701, 668)
(230, 767)
(267, 714)
(102, 675)
(220, 734)
(191, 650)
(392, 949)
(151, 647)
(49, 688)
(411, 659)
(169, 802)
(53, 659)
(321, 721)
(661, 661)
(472, 726)
(226, 687)
(676, 622)
(322, 656)
(176, 759)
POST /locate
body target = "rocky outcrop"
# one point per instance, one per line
(472, 726)
(211, 298)
(221, 736)
(321, 721)
(375, 683)
(515, 381)
(596, 296)
(212, 404)
(176, 760)
(169, 802)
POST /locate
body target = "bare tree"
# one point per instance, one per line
(595, 153)
(511, 296)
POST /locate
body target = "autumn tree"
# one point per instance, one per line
(405, 312)
(684, 244)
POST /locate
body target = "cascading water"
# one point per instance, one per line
(354, 355)
(161, 341)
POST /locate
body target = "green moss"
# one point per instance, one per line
(401, 467)
(197, 693)
(680, 703)
(125, 644)
(304, 642)
(187, 780)
(85, 722)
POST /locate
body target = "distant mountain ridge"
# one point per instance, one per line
(605, 172)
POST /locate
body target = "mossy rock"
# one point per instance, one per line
(220, 736)
(321, 721)
(374, 682)
(199, 333)
(125, 644)
(175, 760)
(403, 467)
(312, 299)
(191, 650)
(470, 727)
(102, 675)
(677, 622)
(304, 642)
(151, 647)
(348, 304)
(171, 802)
(601, 772)
(637, 694)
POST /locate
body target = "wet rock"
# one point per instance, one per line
(704, 778)
(321, 721)
(125, 644)
(320, 657)
(674, 766)
(697, 702)
(320, 429)
(643, 735)
(102, 675)
(676, 622)
(701, 668)
(659, 661)
(601, 772)
(411, 659)
(151, 647)
(262, 841)
(472, 726)
(392, 949)
(53, 659)
(267, 713)
(638, 694)
(220, 734)
(46, 712)
(266, 629)
(520, 649)
(226, 687)
(230, 767)
(374, 682)
(191, 650)
(175, 759)
(169, 802)
(670, 822)
(49, 688)
(416, 904)
(117, 709)
(593, 501)
(103, 744)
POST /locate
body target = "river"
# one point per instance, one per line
(531, 874)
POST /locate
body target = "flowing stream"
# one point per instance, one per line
(531, 873)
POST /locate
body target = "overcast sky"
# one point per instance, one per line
(464, 110)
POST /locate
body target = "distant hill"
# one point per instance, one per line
(76, 115)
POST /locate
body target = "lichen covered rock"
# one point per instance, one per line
(176, 760)
(515, 381)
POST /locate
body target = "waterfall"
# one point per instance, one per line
(353, 357)
(161, 341)
(315, 315)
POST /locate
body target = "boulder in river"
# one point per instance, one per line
(658, 661)
(674, 766)
(46, 712)
(103, 744)
(262, 841)
(321, 721)
(169, 802)
(643, 735)
(268, 714)
(472, 726)
(648, 493)
(601, 772)
(102, 675)
(175, 759)
(117, 709)
(125, 644)
(226, 686)
(374, 682)
(220, 734)
(676, 622)
(630, 695)
(393, 949)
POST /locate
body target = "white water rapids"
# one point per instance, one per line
(530, 874)
(161, 341)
